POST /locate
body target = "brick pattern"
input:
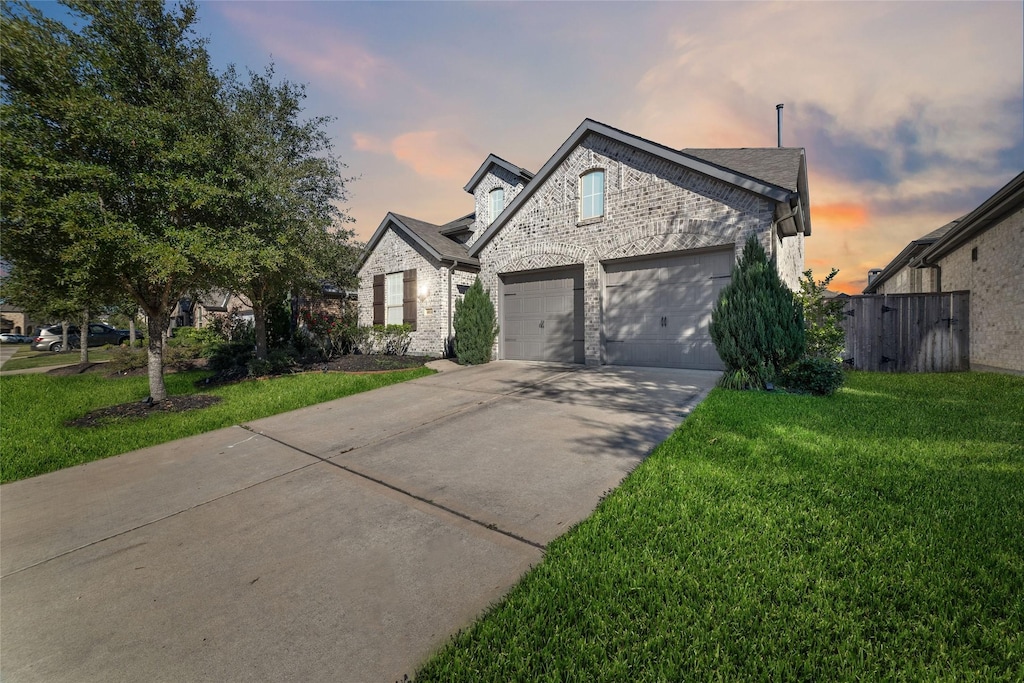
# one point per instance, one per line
(495, 178)
(911, 281)
(651, 206)
(995, 281)
(393, 254)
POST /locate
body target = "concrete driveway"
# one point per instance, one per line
(345, 541)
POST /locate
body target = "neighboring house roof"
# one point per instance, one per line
(909, 253)
(1007, 199)
(215, 300)
(426, 235)
(766, 161)
(9, 308)
(494, 160)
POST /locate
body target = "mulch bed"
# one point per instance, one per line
(355, 363)
(142, 409)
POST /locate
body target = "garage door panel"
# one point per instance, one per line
(658, 311)
(543, 316)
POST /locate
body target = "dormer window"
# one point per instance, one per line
(497, 205)
(592, 195)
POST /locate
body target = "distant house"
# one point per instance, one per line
(614, 252)
(14, 319)
(983, 253)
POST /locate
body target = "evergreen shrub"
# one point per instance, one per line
(476, 326)
(757, 323)
(815, 375)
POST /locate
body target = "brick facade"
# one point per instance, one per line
(911, 281)
(651, 206)
(496, 177)
(996, 281)
(394, 254)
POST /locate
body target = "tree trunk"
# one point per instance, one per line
(131, 331)
(64, 344)
(83, 338)
(156, 325)
(259, 318)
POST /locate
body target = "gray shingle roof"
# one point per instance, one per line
(459, 224)
(779, 166)
(431, 234)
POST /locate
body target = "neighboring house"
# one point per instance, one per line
(14, 319)
(983, 253)
(900, 277)
(614, 252)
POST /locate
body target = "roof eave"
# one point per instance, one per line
(495, 160)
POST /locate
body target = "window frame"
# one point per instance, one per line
(492, 211)
(586, 197)
(394, 298)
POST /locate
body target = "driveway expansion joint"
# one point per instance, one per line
(380, 482)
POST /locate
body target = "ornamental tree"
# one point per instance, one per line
(476, 326)
(757, 323)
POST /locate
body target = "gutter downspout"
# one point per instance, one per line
(448, 340)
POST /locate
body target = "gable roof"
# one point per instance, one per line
(427, 235)
(779, 166)
(765, 161)
(495, 160)
(458, 225)
(909, 253)
(1008, 198)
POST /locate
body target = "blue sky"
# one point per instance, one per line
(911, 113)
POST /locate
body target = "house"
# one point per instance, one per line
(614, 252)
(14, 319)
(983, 253)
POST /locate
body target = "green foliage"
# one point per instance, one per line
(198, 342)
(476, 326)
(125, 359)
(757, 324)
(814, 375)
(823, 317)
(388, 340)
(334, 334)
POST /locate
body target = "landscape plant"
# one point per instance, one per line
(823, 317)
(757, 323)
(476, 326)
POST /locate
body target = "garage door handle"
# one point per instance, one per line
(542, 324)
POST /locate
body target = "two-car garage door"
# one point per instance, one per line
(657, 311)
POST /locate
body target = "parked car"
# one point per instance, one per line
(11, 338)
(51, 338)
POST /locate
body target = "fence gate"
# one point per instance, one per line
(908, 332)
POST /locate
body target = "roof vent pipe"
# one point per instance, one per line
(778, 109)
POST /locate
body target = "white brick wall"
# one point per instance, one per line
(495, 178)
(394, 254)
(651, 206)
(996, 283)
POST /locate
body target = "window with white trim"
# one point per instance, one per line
(592, 195)
(497, 203)
(393, 299)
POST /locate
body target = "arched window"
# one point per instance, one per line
(592, 194)
(497, 204)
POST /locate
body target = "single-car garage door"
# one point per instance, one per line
(657, 311)
(542, 316)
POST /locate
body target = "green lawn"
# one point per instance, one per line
(34, 408)
(874, 535)
(27, 358)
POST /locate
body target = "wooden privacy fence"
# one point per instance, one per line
(908, 332)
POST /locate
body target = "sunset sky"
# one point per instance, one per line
(911, 113)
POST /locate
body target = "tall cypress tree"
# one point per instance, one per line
(757, 323)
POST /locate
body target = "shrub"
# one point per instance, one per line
(476, 326)
(819, 376)
(231, 356)
(333, 334)
(389, 340)
(200, 342)
(823, 318)
(124, 359)
(757, 323)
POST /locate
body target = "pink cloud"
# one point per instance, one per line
(440, 154)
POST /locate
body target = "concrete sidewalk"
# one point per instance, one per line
(345, 541)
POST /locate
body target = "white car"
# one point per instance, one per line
(11, 338)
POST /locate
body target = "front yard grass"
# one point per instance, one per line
(34, 408)
(874, 535)
(26, 358)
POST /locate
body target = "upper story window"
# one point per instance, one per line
(497, 198)
(592, 195)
